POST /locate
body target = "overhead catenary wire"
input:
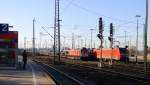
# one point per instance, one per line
(47, 32)
(67, 6)
(124, 22)
(98, 14)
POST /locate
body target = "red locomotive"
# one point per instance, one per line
(119, 54)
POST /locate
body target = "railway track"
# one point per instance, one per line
(125, 69)
(129, 76)
(130, 68)
(59, 77)
(123, 76)
(88, 74)
(117, 65)
(77, 67)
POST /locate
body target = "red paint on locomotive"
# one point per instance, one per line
(107, 53)
(75, 53)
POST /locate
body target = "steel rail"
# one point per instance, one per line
(46, 67)
(124, 75)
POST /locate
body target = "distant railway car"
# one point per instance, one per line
(83, 54)
(73, 54)
(119, 54)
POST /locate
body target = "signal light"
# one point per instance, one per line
(100, 25)
(111, 29)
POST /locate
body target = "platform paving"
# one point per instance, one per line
(32, 75)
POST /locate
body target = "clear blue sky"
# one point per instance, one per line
(77, 16)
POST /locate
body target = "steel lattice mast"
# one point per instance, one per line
(56, 33)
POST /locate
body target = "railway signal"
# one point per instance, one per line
(111, 29)
(100, 36)
(100, 25)
(110, 38)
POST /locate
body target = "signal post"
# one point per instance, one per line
(100, 36)
(110, 38)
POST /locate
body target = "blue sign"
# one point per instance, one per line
(4, 28)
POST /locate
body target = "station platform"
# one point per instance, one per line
(32, 75)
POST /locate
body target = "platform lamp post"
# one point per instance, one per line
(137, 16)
